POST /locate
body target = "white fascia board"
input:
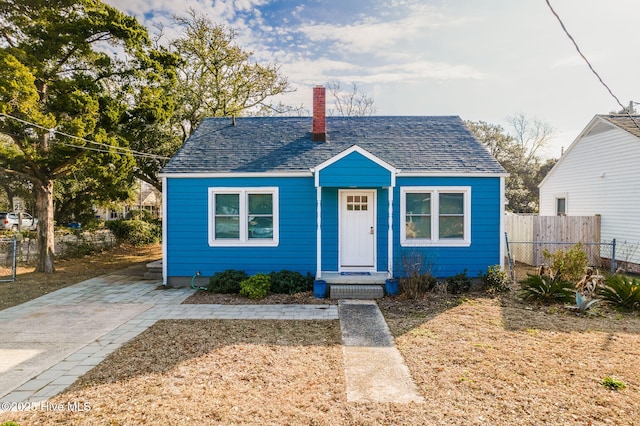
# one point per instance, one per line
(448, 174)
(235, 175)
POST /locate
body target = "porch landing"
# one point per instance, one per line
(355, 278)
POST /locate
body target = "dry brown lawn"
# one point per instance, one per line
(477, 361)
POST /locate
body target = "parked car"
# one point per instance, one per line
(10, 220)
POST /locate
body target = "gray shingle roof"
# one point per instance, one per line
(624, 122)
(283, 144)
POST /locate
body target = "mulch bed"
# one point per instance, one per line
(205, 297)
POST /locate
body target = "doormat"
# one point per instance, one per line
(355, 273)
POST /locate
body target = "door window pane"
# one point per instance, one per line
(357, 203)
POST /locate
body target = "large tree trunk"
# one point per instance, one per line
(44, 201)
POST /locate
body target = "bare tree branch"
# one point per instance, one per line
(350, 103)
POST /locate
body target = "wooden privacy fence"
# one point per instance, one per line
(551, 232)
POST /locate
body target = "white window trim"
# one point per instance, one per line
(557, 197)
(435, 215)
(244, 240)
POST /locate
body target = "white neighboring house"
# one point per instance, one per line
(147, 198)
(600, 174)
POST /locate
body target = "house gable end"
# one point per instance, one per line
(355, 167)
(598, 125)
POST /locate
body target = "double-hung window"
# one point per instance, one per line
(243, 216)
(435, 216)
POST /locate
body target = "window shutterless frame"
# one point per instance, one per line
(247, 217)
(433, 216)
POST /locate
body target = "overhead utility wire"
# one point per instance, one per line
(590, 66)
(119, 150)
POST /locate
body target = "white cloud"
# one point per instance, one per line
(375, 36)
(313, 71)
(323, 69)
(422, 70)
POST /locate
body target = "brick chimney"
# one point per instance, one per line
(319, 132)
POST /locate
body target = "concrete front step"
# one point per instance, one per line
(356, 291)
(154, 270)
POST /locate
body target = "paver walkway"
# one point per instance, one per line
(46, 344)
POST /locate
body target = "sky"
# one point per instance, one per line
(481, 60)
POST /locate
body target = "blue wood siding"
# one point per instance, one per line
(187, 218)
(329, 229)
(355, 170)
(485, 230)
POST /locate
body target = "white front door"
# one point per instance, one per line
(357, 230)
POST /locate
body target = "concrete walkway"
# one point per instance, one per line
(374, 368)
(48, 343)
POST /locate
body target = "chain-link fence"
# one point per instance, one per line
(527, 256)
(19, 250)
(8, 255)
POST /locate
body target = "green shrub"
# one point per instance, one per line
(75, 249)
(290, 282)
(416, 286)
(255, 287)
(543, 288)
(613, 383)
(141, 215)
(570, 264)
(621, 291)
(92, 224)
(136, 232)
(459, 283)
(495, 280)
(227, 282)
(29, 235)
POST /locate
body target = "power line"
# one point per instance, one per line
(110, 148)
(590, 66)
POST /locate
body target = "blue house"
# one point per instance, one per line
(334, 196)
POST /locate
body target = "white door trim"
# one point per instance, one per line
(372, 202)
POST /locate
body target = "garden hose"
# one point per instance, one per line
(193, 286)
